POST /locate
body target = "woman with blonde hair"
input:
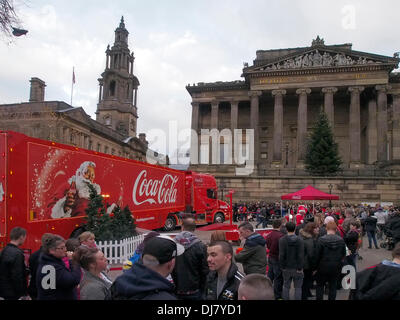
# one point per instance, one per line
(87, 239)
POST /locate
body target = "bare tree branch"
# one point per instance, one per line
(8, 17)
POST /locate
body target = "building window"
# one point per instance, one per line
(98, 147)
(112, 151)
(287, 154)
(264, 155)
(107, 120)
(105, 149)
(112, 88)
(264, 145)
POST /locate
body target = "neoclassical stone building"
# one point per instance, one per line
(280, 98)
(113, 131)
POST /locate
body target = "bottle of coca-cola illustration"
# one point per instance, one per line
(70, 197)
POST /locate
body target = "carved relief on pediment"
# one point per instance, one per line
(316, 58)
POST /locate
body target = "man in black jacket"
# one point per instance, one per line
(330, 253)
(191, 268)
(147, 280)
(291, 259)
(13, 272)
(224, 277)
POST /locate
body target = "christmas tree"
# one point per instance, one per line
(322, 157)
(115, 226)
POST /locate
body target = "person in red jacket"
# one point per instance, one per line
(274, 269)
(301, 212)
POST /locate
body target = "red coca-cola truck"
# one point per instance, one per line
(44, 188)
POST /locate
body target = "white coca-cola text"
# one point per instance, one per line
(153, 191)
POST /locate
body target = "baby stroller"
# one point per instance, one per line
(388, 241)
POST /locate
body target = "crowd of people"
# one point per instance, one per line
(307, 248)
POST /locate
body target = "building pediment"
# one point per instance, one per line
(77, 114)
(321, 57)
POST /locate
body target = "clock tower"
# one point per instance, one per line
(117, 107)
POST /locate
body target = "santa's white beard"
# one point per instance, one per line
(83, 188)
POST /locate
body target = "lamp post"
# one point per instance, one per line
(330, 186)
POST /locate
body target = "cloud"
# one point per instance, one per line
(175, 43)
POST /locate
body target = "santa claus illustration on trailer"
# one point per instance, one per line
(77, 194)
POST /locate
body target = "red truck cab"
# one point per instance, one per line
(201, 198)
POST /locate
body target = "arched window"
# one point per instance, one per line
(107, 120)
(112, 88)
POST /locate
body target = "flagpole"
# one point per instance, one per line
(72, 86)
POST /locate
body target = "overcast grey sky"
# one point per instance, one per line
(176, 42)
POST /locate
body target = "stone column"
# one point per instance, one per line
(302, 125)
(214, 145)
(234, 125)
(195, 139)
(135, 101)
(278, 128)
(234, 115)
(329, 105)
(354, 127)
(372, 132)
(214, 114)
(254, 123)
(382, 122)
(396, 126)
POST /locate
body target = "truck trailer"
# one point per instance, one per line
(44, 188)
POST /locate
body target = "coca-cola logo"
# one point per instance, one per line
(161, 191)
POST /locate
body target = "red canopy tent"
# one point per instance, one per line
(309, 193)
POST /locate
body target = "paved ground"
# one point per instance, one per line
(370, 257)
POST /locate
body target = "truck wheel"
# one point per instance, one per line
(170, 224)
(219, 218)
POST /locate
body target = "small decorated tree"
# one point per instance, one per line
(322, 157)
(115, 226)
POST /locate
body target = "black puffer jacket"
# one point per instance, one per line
(351, 240)
(141, 283)
(393, 224)
(191, 268)
(13, 284)
(230, 290)
(330, 252)
(381, 282)
(370, 224)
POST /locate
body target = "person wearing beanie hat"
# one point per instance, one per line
(148, 280)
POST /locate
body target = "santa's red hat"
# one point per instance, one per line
(301, 210)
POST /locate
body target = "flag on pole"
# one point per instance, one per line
(73, 82)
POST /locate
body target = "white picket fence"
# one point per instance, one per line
(118, 251)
